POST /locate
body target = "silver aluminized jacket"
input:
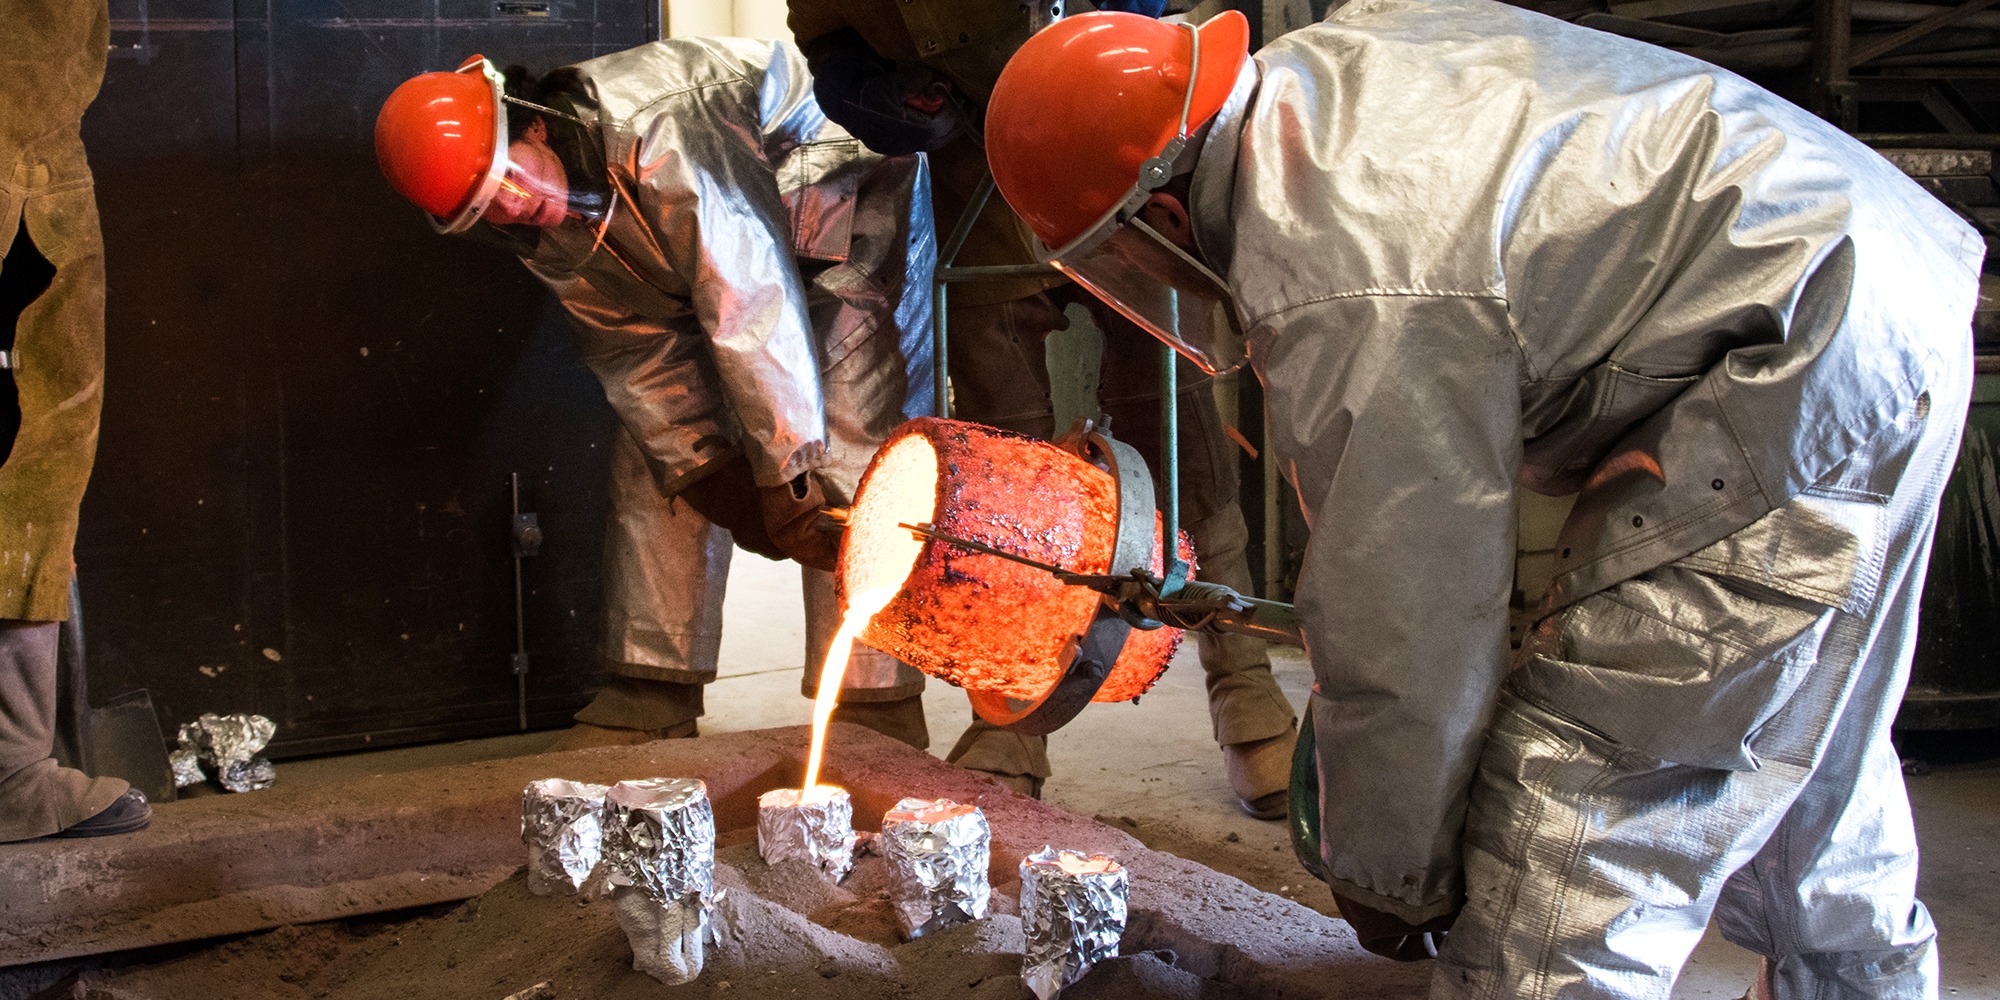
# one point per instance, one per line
(734, 194)
(1475, 247)
(762, 286)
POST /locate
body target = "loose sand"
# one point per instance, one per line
(783, 932)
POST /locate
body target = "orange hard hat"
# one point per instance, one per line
(1087, 101)
(441, 139)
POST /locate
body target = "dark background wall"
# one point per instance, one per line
(314, 404)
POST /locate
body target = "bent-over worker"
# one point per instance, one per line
(752, 288)
(1473, 247)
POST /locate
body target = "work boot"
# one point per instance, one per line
(39, 797)
(1253, 720)
(629, 710)
(902, 719)
(130, 813)
(1260, 773)
(1019, 762)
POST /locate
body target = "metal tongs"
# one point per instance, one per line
(1146, 601)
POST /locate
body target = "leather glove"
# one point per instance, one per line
(1387, 935)
(791, 521)
(894, 109)
(728, 496)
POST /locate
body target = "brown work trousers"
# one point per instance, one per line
(58, 369)
(37, 796)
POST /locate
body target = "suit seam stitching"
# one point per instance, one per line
(1373, 293)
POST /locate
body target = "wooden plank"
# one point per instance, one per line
(1677, 8)
(1951, 57)
(1918, 30)
(1910, 13)
(1829, 93)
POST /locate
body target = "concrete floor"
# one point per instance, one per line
(1153, 770)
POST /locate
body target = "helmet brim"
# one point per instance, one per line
(496, 168)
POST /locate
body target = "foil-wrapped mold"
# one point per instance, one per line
(1072, 913)
(658, 860)
(253, 775)
(229, 744)
(817, 828)
(937, 851)
(187, 767)
(559, 823)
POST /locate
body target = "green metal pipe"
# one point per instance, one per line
(1170, 465)
(1304, 820)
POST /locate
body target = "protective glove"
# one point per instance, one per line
(729, 496)
(1149, 8)
(894, 109)
(1387, 935)
(791, 521)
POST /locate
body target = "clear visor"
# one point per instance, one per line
(1149, 280)
(1157, 285)
(527, 183)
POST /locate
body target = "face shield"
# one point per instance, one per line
(547, 168)
(1148, 279)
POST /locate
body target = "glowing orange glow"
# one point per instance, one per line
(976, 620)
(1626, 463)
(902, 489)
(792, 798)
(932, 812)
(1079, 864)
(863, 607)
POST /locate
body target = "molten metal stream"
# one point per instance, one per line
(875, 558)
(863, 608)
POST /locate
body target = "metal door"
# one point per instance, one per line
(301, 505)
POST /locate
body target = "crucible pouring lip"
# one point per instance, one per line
(1029, 651)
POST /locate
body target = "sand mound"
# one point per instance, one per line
(781, 932)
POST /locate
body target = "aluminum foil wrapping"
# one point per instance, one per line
(818, 829)
(187, 767)
(937, 851)
(559, 823)
(659, 858)
(1072, 912)
(230, 744)
(253, 775)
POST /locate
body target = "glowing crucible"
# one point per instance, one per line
(974, 619)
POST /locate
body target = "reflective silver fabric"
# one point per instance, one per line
(1588, 873)
(1475, 246)
(665, 569)
(872, 675)
(763, 286)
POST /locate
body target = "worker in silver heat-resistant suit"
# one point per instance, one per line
(1467, 247)
(752, 288)
(908, 75)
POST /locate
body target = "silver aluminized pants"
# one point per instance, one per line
(1593, 865)
(665, 569)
